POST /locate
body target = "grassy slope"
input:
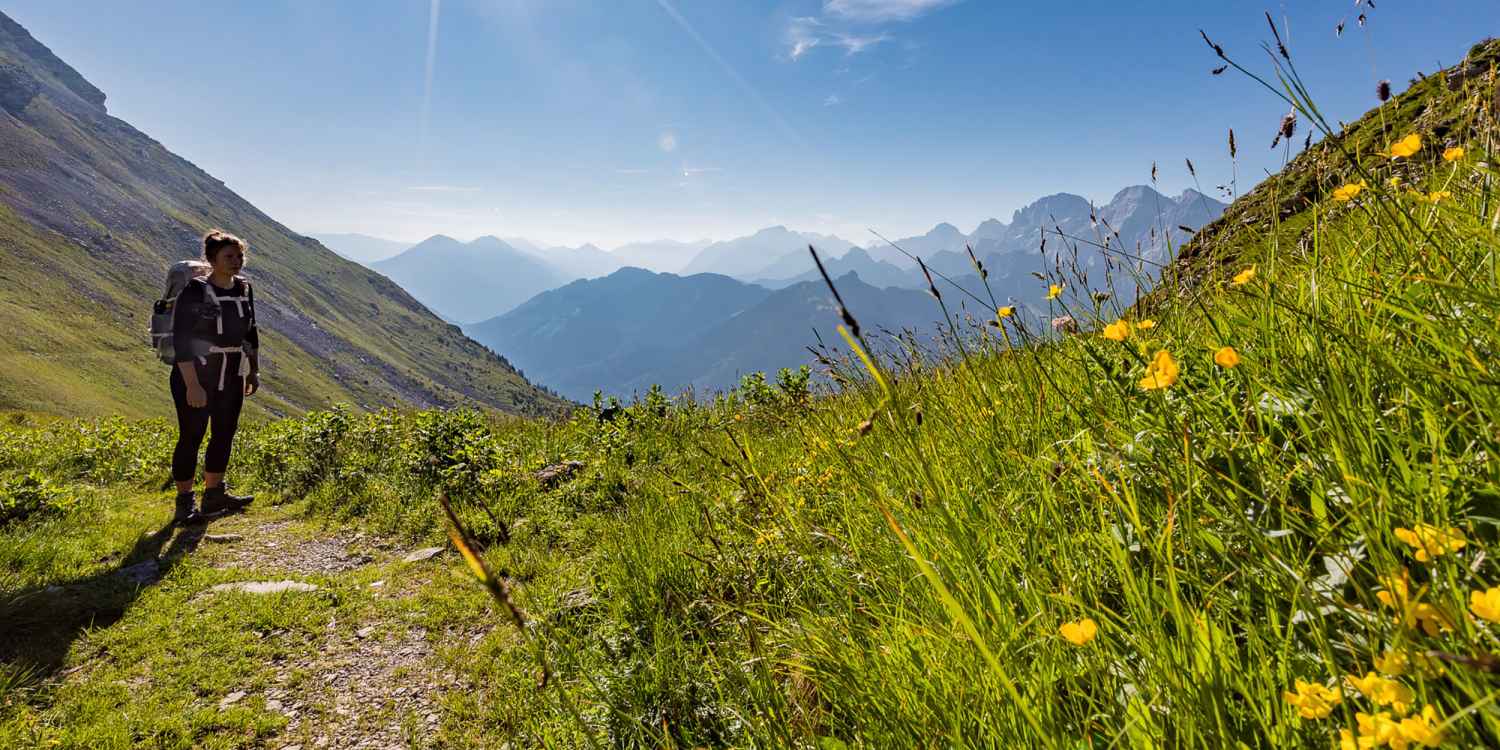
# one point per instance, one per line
(770, 572)
(91, 214)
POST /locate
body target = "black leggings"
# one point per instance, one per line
(223, 410)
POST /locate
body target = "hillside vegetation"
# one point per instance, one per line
(92, 212)
(1265, 516)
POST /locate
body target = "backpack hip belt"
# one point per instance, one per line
(224, 352)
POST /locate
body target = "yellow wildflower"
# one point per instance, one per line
(1383, 691)
(1407, 146)
(1436, 196)
(1453, 154)
(1146, 325)
(1429, 618)
(1007, 311)
(1313, 701)
(1227, 358)
(1161, 373)
(1396, 591)
(1486, 604)
(1376, 731)
(1348, 192)
(1393, 663)
(1394, 181)
(1432, 542)
(1243, 277)
(1422, 729)
(1054, 291)
(1117, 331)
(1080, 632)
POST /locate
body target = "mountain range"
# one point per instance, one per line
(92, 212)
(624, 332)
(470, 281)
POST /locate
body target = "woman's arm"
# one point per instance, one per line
(252, 346)
(183, 317)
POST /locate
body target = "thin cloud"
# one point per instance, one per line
(695, 171)
(434, 11)
(854, 44)
(832, 100)
(631, 170)
(882, 11)
(802, 34)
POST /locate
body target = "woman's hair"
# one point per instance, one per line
(218, 239)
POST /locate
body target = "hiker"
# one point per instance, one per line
(215, 367)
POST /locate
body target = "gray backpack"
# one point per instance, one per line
(178, 277)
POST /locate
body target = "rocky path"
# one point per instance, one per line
(371, 682)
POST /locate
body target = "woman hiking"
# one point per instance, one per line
(213, 327)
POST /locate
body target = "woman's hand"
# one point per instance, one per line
(252, 383)
(196, 396)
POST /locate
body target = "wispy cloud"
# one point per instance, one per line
(632, 170)
(802, 34)
(833, 100)
(695, 171)
(854, 44)
(434, 11)
(846, 24)
(882, 11)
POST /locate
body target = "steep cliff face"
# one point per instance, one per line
(92, 211)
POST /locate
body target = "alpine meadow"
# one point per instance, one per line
(1240, 492)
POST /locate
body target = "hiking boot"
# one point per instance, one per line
(184, 509)
(217, 501)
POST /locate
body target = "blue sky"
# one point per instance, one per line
(570, 121)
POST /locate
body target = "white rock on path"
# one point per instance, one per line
(265, 587)
(426, 553)
(231, 699)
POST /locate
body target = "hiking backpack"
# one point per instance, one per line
(178, 277)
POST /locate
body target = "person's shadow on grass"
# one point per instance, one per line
(39, 625)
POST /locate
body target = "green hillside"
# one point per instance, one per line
(1266, 516)
(91, 214)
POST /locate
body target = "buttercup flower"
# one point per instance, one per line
(1453, 154)
(1146, 325)
(1161, 373)
(1486, 604)
(1383, 691)
(1436, 196)
(1411, 612)
(1054, 291)
(1313, 700)
(1432, 542)
(1348, 192)
(1080, 632)
(1393, 663)
(1422, 729)
(1394, 181)
(1007, 311)
(1227, 358)
(1374, 731)
(1429, 618)
(1117, 331)
(1406, 146)
(1243, 277)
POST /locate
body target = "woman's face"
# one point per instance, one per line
(228, 261)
